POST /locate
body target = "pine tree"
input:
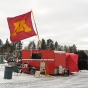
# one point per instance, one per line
(7, 46)
(50, 44)
(19, 45)
(66, 48)
(43, 44)
(1, 45)
(56, 45)
(32, 45)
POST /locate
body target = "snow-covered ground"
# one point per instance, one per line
(78, 80)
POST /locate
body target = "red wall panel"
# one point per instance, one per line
(49, 65)
(36, 51)
(60, 59)
(48, 54)
(26, 54)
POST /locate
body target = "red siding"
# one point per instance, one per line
(49, 65)
(60, 59)
(48, 54)
(26, 54)
(44, 54)
(36, 51)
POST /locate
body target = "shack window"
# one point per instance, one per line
(36, 55)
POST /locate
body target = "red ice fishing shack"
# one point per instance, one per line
(47, 60)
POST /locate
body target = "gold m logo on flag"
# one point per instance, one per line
(20, 26)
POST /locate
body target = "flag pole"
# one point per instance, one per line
(36, 29)
(34, 22)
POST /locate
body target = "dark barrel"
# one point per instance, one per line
(8, 72)
(1, 58)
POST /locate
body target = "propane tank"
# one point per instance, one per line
(60, 70)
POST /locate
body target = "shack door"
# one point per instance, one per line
(50, 67)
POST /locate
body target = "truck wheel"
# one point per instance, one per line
(32, 71)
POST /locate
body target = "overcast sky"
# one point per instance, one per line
(64, 21)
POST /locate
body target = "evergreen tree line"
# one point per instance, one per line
(9, 47)
(49, 44)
